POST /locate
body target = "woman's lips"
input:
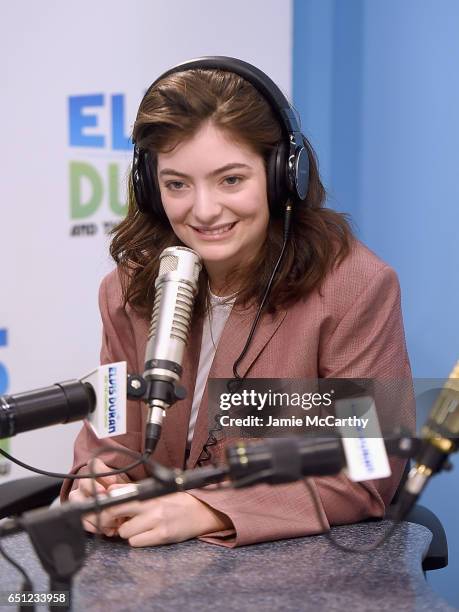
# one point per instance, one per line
(217, 234)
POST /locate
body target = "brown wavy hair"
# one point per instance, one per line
(173, 111)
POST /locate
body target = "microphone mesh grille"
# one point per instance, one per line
(169, 263)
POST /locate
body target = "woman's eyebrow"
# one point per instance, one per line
(171, 171)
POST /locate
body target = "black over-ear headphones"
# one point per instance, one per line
(288, 166)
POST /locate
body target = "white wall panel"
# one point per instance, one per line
(52, 50)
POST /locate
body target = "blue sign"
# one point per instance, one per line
(4, 380)
(83, 115)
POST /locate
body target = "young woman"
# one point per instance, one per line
(214, 146)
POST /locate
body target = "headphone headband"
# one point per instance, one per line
(256, 77)
(288, 166)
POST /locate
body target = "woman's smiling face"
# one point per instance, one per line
(213, 190)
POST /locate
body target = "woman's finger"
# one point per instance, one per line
(77, 496)
(88, 487)
(92, 521)
(138, 524)
(153, 537)
(99, 467)
(88, 526)
(124, 510)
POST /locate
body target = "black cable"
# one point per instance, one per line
(212, 440)
(248, 481)
(333, 541)
(69, 476)
(27, 584)
(287, 223)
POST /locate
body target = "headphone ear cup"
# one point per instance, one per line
(277, 179)
(146, 188)
(152, 190)
(137, 179)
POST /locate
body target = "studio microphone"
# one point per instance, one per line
(99, 397)
(439, 438)
(282, 460)
(360, 453)
(175, 289)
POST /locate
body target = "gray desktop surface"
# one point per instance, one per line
(298, 574)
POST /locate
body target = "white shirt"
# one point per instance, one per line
(214, 322)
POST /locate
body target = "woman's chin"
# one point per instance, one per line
(217, 254)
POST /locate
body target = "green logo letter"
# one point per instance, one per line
(80, 171)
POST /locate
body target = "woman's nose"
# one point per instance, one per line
(206, 207)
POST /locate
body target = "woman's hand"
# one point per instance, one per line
(164, 520)
(85, 489)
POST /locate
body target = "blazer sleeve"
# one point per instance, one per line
(117, 345)
(367, 342)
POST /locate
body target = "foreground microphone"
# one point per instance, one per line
(280, 460)
(439, 439)
(175, 290)
(99, 397)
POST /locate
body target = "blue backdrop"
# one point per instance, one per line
(376, 84)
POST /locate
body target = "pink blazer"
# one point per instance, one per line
(352, 328)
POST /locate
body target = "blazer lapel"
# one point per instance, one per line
(232, 341)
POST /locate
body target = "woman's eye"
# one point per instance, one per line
(233, 180)
(175, 185)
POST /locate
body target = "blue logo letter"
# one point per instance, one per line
(78, 121)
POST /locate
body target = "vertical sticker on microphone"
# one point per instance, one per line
(109, 383)
(364, 448)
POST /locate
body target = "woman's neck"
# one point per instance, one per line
(222, 291)
(218, 284)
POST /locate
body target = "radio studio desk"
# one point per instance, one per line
(298, 574)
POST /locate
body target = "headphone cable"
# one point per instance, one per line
(287, 223)
(211, 438)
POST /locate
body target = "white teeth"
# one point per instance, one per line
(220, 230)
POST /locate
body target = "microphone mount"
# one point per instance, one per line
(159, 393)
(155, 389)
